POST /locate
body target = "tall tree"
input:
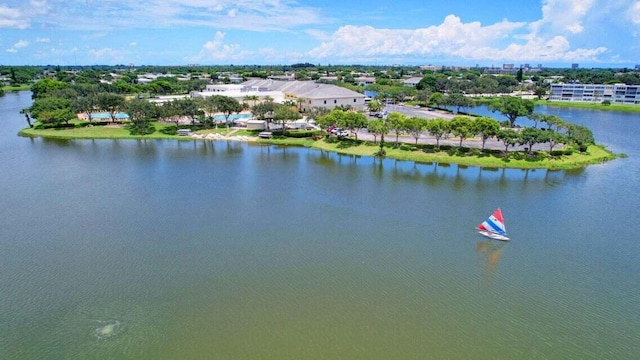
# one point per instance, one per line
(509, 137)
(487, 128)
(140, 112)
(286, 113)
(458, 100)
(438, 128)
(27, 115)
(377, 127)
(85, 105)
(462, 127)
(111, 103)
(354, 121)
(227, 105)
(512, 107)
(396, 122)
(529, 137)
(416, 126)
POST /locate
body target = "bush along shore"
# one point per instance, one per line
(568, 157)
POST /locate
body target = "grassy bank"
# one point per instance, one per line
(591, 106)
(421, 153)
(474, 157)
(9, 88)
(99, 132)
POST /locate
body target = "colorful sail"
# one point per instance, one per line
(494, 223)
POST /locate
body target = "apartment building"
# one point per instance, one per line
(615, 93)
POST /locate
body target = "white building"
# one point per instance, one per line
(412, 81)
(308, 94)
(615, 93)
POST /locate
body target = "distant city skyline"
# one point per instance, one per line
(553, 33)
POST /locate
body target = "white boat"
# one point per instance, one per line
(494, 227)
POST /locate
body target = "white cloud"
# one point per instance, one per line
(20, 44)
(563, 15)
(318, 34)
(548, 39)
(106, 55)
(217, 50)
(452, 36)
(634, 13)
(88, 15)
(13, 18)
(43, 40)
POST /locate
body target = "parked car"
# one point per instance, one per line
(342, 133)
(331, 128)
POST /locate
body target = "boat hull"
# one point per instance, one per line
(493, 235)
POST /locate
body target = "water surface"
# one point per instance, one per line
(194, 249)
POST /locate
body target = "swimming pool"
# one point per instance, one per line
(232, 117)
(106, 115)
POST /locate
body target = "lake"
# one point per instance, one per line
(228, 250)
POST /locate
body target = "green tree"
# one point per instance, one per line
(191, 108)
(416, 126)
(354, 121)
(375, 106)
(462, 127)
(436, 99)
(286, 113)
(487, 128)
(377, 127)
(227, 105)
(509, 137)
(458, 100)
(57, 116)
(46, 87)
(48, 104)
(529, 137)
(512, 107)
(540, 92)
(422, 97)
(396, 122)
(438, 128)
(111, 103)
(581, 136)
(428, 82)
(264, 110)
(553, 139)
(140, 112)
(85, 105)
(519, 75)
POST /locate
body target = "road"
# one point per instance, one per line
(425, 138)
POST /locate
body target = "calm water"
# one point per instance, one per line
(223, 250)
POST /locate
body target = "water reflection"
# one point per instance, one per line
(491, 252)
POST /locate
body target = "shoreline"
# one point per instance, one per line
(421, 153)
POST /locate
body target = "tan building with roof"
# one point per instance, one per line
(310, 93)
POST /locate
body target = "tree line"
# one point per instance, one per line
(557, 131)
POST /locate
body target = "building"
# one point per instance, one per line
(575, 66)
(615, 93)
(413, 81)
(308, 94)
(365, 80)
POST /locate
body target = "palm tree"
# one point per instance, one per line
(27, 112)
(251, 100)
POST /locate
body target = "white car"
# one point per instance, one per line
(342, 133)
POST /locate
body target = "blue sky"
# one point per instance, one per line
(556, 33)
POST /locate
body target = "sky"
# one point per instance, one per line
(553, 33)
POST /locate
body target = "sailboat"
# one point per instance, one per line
(494, 227)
